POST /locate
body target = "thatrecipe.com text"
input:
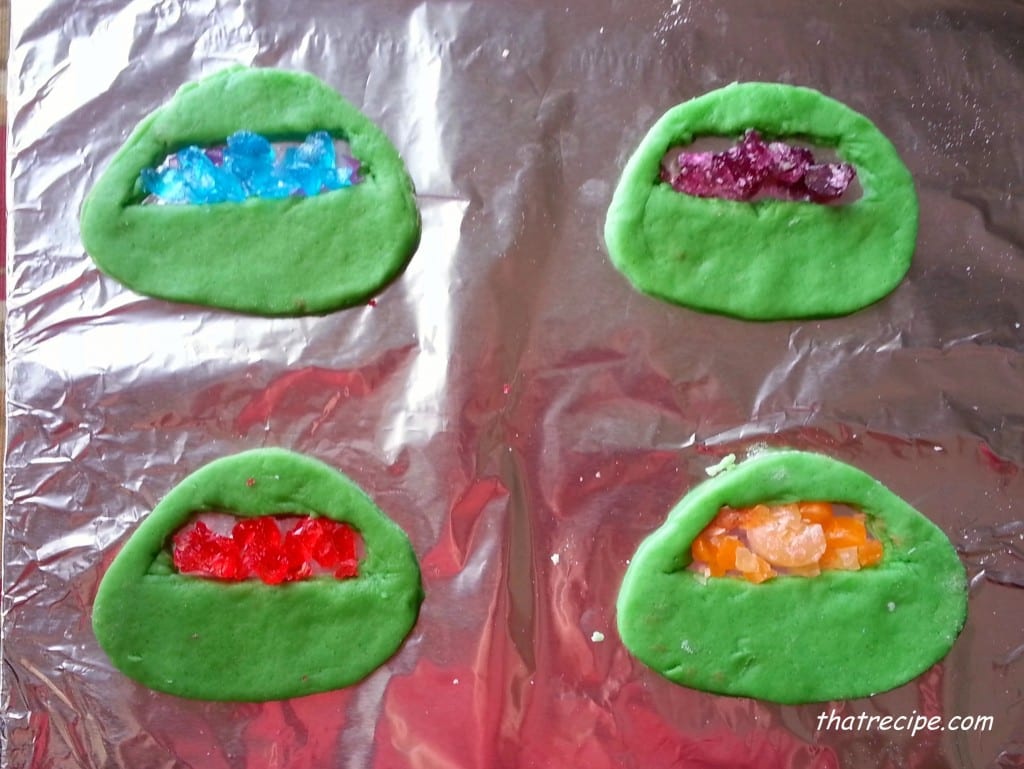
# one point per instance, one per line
(914, 722)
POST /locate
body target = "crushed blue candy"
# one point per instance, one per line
(250, 166)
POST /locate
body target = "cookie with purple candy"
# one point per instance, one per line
(807, 212)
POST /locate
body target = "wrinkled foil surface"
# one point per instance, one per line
(524, 414)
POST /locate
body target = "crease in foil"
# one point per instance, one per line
(510, 401)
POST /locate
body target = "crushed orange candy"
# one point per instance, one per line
(845, 531)
(753, 567)
(815, 512)
(870, 552)
(760, 542)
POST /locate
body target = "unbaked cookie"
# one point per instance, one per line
(844, 633)
(298, 255)
(765, 259)
(276, 634)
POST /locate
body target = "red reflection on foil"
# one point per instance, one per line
(315, 381)
(303, 733)
(438, 718)
(448, 556)
(995, 463)
(623, 728)
(925, 744)
(260, 409)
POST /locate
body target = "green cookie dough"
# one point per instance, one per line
(250, 641)
(767, 259)
(296, 256)
(840, 635)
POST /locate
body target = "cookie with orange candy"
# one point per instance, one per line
(793, 578)
(800, 539)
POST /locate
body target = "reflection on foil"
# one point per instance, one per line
(294, 391)
(997, 552)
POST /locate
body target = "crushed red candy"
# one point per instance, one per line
(269, 548)
(754, 167)
(329, 544)
(199, 550)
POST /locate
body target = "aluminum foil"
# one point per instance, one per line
(510, 400)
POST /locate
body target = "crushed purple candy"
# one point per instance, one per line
(250, 166)
(753, 167)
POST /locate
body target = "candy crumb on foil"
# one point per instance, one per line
(727, 463)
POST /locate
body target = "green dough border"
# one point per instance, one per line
(793, 639)
(298, 256)
(770, 259)
(249, 641)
